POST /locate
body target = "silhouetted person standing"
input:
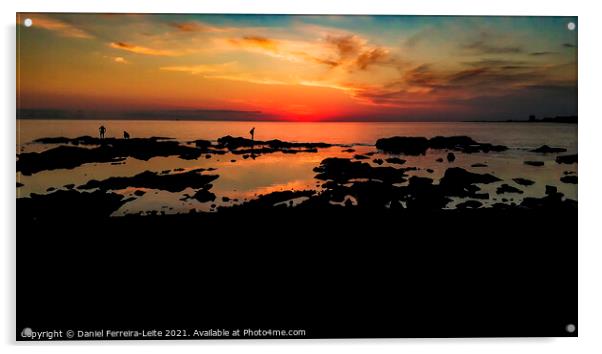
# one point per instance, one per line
(102, 131)
(126, 135)
(252, 132)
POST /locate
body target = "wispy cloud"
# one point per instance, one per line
(487, 42)
(143, 50)
(355, 53)
(538, 54)
(196, 26)
(120, 60)
(483, 47)
(59, 26)
(255, 42)
(202, 68)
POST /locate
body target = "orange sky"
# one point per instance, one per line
(300, 67)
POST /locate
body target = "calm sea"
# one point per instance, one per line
(520, 135)
(247, 178)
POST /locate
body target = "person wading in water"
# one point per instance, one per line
(252, 132)
(102, 131)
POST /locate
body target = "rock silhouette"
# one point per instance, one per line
(419, 145)
(569, 179)
(110, 150)
(395, 160)
(548, 150)
(176, 182)
(534, 163)
(523, 181)
(567, 159)
(458, 182)
(506, 188)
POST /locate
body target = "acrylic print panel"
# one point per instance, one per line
(273, 176)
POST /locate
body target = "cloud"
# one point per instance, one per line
(354, 53)
(197, 27)
(482, 47)
(423, 85)
(346, 45)
(256, 41)
(61, 27)
(201, 69)
(347, 51)
(421, 75)
(143, 50)
(248, 78)
(120, 60)
(538, 54)
(492, 43)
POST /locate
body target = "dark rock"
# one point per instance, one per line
(348, 150)
(69, 186)
(568, 173)
(451, 142)
(458, 182)
(225, 199)
(203, 144)
(430, 170)
(203, 195)
(233, 160)
(523, 181)
(172, 183)
(234, 144)
(403, 145)
(506, 188)
(545, 149)
(109, 150)
(567, 159)
(395, 160)
(19, 184)
(421, 194)
(420, 182)
(268, 200)
(360, 157)
(69, 204)
(534, 163)
(569, 179)
(550, 190)
(378, 161)
(469, 204)
(552, 201)
(478, 165)
(439, 159)
(139, 192)
(341, 170)
(464, 144)
(50, 189)
(451, 157)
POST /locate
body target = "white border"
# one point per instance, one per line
(590, 198)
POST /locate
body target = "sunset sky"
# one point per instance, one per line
(300, 67)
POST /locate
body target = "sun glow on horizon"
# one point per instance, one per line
(300, 68)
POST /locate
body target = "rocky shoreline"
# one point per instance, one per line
(344, 182)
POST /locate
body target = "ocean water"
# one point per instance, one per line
(246, 178)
